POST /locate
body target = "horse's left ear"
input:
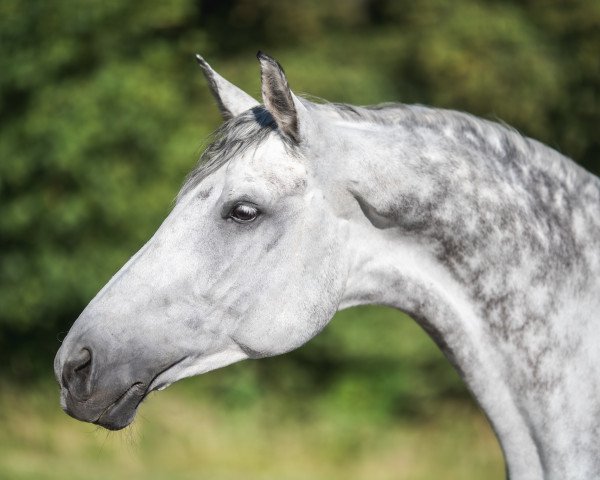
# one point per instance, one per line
(279, 100)
(231, 100)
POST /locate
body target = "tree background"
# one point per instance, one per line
(103, 111)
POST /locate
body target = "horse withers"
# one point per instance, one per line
(488, 239)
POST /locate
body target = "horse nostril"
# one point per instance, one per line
(76, 374)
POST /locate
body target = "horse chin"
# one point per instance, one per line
(121, 413)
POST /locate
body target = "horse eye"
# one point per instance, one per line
(243, 213)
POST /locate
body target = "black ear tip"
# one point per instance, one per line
(262, 56)
(265, 60)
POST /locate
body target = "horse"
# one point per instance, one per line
(486, 238)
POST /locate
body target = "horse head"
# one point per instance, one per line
(248, 264)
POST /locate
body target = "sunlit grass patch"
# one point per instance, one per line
(178, 437)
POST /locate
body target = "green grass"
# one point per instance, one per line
(177, 436)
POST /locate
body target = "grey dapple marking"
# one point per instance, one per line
(490, 240)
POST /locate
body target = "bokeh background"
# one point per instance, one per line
(102, 113)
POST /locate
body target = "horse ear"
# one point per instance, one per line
(231, 100)
(277, 97)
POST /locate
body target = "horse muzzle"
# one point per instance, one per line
(103, 398)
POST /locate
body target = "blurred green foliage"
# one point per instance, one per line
(103, 111)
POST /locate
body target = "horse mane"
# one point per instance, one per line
(481, 133)
(495, 141)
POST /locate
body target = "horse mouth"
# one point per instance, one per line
(122, 411)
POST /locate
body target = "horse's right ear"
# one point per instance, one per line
(231, 100)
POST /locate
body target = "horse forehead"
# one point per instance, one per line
(270, 164)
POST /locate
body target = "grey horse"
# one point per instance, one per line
(488, 239)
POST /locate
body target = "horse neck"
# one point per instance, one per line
(485, 238)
